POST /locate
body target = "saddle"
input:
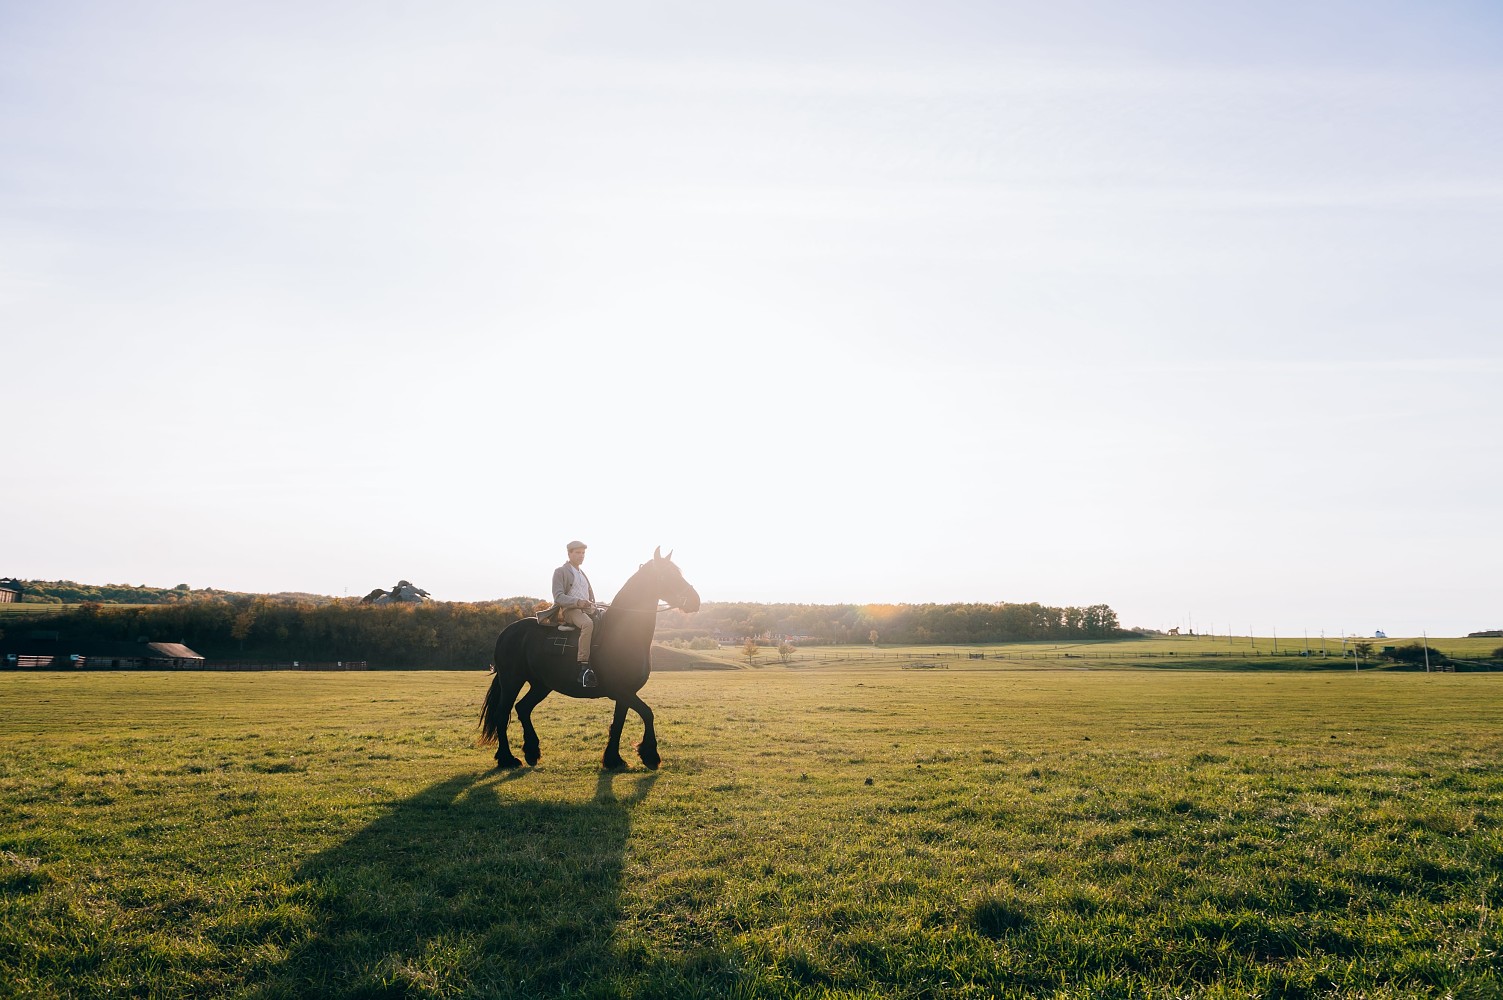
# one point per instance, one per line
(553, 616)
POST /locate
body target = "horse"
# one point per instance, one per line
(541, 657)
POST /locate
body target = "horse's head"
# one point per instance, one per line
(670, 583)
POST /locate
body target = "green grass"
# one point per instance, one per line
(1262, 653)
(823, 832)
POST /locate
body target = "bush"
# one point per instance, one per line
(1498, 653)
(703, 642)
(1415, 653)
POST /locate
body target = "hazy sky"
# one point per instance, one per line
(1192, 309)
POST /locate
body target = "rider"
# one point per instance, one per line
(572, 592)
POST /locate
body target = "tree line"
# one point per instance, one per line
(459, 635)
(900, 624)
(433, 634)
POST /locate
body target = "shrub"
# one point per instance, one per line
(1415, 653)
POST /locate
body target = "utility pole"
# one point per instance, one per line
(1427, 651)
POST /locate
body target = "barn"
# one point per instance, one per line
(10, 591)
(49, 652)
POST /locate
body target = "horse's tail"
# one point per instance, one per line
(490, 712)
(496, 706)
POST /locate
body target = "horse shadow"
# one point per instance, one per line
(466, 888)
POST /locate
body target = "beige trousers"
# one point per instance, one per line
(586, 626)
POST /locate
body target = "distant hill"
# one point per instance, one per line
(769, 624)
(70, 592)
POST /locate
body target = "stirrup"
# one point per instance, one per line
(587, 678)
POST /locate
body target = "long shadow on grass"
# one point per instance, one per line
(469, 888)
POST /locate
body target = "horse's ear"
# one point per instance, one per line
(657, 553)
(669, 557)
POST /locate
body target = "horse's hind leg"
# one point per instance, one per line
(648, 748)
(612, 760)
(506, 696)
(535, 693)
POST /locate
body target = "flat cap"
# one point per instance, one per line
(576, 544)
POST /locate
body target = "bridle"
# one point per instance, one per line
(663, 604)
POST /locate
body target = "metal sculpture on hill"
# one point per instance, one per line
(402, 593)
(543, 658)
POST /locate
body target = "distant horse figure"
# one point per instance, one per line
(531, 653)
(1174, 631)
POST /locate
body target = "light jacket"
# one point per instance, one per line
(563, 582)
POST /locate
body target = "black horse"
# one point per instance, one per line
(529, 652)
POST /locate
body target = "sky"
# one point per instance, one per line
(1190, 309)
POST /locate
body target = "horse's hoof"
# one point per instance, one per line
(649, 757)
(533, 757)
(613, 764)
(507, 763)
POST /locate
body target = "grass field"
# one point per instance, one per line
(1261, 652)
(16, 608)
(821, 831)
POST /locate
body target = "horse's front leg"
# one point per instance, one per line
(612, 760)
(648, 748)
(535, 693)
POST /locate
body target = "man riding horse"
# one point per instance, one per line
(575, 598)
(531, 654)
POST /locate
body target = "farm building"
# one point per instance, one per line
(10, 591)
(51, 652)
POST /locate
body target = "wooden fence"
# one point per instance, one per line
(817, 654)
(290, 665)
